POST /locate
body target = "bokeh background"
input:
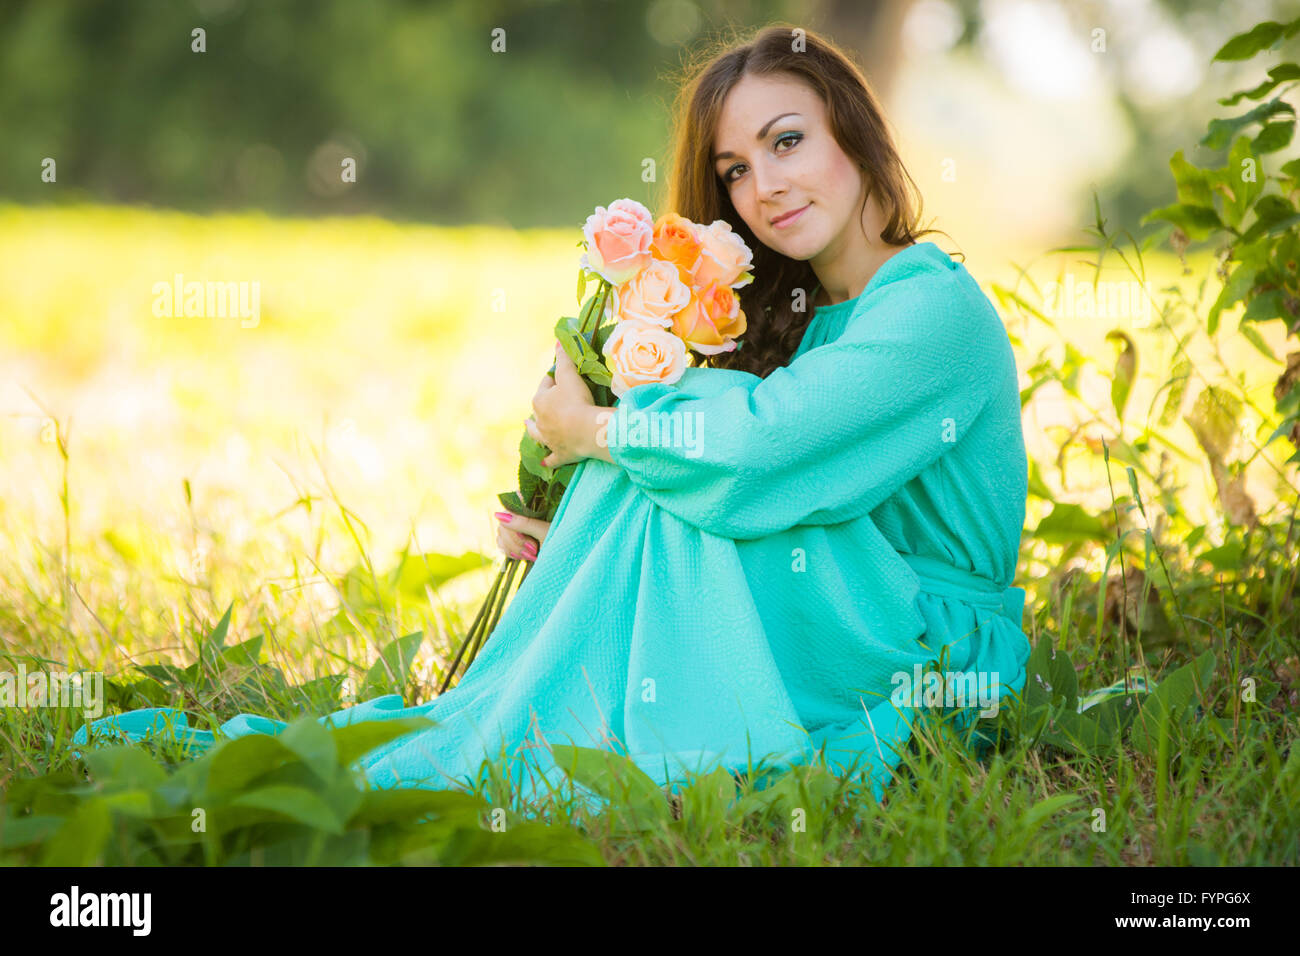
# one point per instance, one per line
(156, 469)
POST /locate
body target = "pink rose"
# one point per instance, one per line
(639, 353)
(654, 295)
(618, 240)
(725, 259)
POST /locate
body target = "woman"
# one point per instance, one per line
(848, 510)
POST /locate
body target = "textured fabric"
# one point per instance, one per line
(761, 563)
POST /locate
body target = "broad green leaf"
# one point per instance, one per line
(235, 763)
(1222, 131)
(1226, 557)
(1273, 137)
(244, 654)
(1243, 46)
(1197, 221)
(81, 839)
(1125, 371)
(1049, 677)
(1266, 305)
(392, 669)
(296, 803)
(131, 803)
(314, 745)
(1070, 522)
(123, 767)
(511, 501)
(410, 806)
(1175, 697)
(531, 453)
(1278, 74)
(432, 570)
(1239, 182)
(1193, 182)
(21, 831)
(529, 484)
(354, 741)
(1274, 216)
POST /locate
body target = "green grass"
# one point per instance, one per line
(327, 478)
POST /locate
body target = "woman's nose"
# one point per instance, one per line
(769, 183)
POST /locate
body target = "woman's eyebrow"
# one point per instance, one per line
(761, 133)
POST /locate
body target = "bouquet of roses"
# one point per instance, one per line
(663, 286)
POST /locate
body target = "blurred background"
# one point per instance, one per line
(403, 183)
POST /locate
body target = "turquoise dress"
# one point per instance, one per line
(764, 570)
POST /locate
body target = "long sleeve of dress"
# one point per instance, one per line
(828, 437)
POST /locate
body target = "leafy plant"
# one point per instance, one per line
(290, 799)
(1260, 257)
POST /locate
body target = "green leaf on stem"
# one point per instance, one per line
(1262, 36)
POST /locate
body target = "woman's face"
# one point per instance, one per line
(773, 164)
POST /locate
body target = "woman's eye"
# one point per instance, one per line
(788, 136)
(791, 138)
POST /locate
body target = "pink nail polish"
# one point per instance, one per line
(503, 516)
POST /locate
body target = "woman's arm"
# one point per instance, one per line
(828, 437)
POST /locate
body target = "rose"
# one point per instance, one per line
(654, 295)
(676, 241)
(639, 353)
(712, 321)
(724, 258)
(618, 240)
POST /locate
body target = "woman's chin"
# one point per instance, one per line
(798, 249)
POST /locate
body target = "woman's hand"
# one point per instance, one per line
(519, 536)
(565, 419)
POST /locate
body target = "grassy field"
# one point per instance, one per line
(158, 470)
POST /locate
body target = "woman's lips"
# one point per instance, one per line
(789, 217)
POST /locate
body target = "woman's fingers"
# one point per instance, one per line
(534, 527)
(521, 537)
(516, 545)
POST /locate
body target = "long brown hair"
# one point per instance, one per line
(773, 327)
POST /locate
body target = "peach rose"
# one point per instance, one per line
(712, 322)
(639, 353)
(676, 241)
(725, 258)
(654, 295)
(618, 240)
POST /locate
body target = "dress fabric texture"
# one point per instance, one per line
(764, 567)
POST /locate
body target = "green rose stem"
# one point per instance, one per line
(494, 604)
